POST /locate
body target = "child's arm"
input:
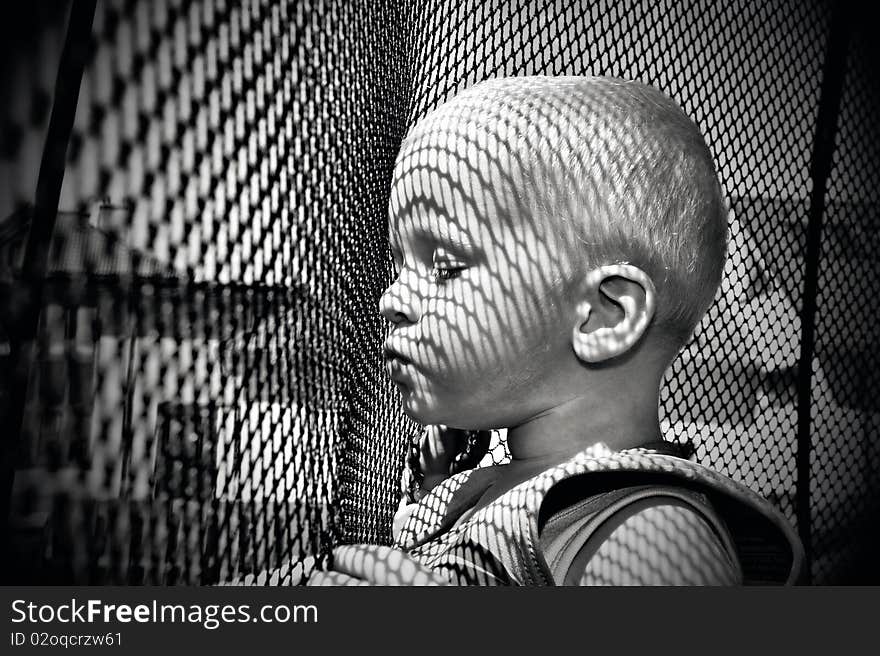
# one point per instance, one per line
(439, 453)
(649, 542)
(662, 545)
(375, 565)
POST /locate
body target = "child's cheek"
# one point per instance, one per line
(507, 312)
(480, 313)
(452, 333)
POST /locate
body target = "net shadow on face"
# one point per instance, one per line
(501, 204)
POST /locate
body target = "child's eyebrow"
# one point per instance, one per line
(455, 240)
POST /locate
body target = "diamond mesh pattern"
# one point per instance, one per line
(207, 402)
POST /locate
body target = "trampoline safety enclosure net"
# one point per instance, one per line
(197, 395)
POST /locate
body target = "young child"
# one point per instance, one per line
(557, 240)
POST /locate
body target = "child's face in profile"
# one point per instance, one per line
(481, 324)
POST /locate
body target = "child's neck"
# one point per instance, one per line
(619, 418)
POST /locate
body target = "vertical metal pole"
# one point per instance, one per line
(833, 75)
(36, 255)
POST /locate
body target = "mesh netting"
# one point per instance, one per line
(206, 401)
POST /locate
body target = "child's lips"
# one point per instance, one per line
(395, 362)
(396, 368)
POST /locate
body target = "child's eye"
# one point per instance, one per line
(397, 259)
(439, 273)
(445, 266)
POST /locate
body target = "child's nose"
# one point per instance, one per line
(400, 302)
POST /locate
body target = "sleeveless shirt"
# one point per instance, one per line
(527, 535)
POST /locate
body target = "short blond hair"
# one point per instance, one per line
(624, 168)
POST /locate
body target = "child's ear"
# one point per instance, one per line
(615, 311)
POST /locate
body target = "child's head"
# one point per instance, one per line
(549, 233)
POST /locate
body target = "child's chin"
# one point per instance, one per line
(419, 410)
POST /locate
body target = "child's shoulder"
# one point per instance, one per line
(644, 515)
(640, 535)
(636, 516)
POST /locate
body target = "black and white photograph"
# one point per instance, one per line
(330, 293)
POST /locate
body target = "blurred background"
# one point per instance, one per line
(193, 197)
